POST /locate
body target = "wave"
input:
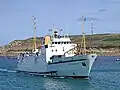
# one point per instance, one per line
(106, 70)
(6, 70)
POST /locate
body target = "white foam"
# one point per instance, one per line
(6, 70)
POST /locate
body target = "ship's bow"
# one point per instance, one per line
(91, 60)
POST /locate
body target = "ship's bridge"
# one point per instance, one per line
(58, 45)
(56, 39)
(61, 40)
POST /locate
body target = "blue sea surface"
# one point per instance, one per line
(105, 75)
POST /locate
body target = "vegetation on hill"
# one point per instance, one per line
(96, 40)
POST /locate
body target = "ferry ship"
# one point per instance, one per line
(58, 57)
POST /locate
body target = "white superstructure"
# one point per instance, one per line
(57, 57)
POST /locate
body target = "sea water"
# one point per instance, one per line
(105, 75)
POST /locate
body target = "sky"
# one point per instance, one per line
(16, 17)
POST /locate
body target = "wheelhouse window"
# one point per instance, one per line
(55, 42)
(64, 42)
(67, 42)
(58, 42)
(61, 42)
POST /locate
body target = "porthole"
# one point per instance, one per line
(73, 73)
(83, 63)
(92, 56)
(58, 42)
(63, 49)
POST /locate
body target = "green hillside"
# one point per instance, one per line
(96, 40)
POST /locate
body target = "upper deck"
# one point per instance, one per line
(55, 38)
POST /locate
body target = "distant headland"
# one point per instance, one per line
(107, 44)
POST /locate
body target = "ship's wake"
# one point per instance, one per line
(7, 70)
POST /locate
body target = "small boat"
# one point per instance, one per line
(117, 59)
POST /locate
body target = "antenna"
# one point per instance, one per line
(92, 27)
(60, 31)
(34, 28)
(50, 32)
(67, 29)
(53, 29)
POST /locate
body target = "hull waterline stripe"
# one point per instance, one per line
(43, 74)
(66, 61)
(37, 72)
(71, 76)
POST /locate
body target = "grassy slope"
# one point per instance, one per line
(97, 40)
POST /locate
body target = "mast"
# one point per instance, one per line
(34, 28)
(83, 38)
(53, 29)
(50, 32)
(92, 27)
